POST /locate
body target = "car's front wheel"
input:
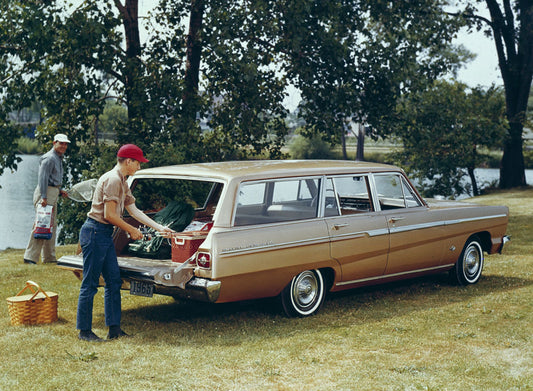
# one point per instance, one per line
(468, 268)
(304, 295)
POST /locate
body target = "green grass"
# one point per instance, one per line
(422, 334)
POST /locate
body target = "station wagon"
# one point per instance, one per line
(296, 230)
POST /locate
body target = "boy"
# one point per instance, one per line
(111, 196)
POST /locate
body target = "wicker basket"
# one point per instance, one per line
(35, 308)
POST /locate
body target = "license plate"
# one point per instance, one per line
(140, 288)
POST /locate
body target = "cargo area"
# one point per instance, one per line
(186, 206)
(158, 264)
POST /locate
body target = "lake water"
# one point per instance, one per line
(16, 197)
(16, 203)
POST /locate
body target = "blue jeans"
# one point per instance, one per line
(99, 258)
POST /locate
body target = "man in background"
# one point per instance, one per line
(47, 193)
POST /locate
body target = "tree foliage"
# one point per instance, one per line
(352, 60)
(442, 129)
(74, 59)
(313, 147)
(209, 79)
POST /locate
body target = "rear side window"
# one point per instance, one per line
(252, 194)
(276, 201)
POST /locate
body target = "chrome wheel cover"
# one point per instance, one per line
(307, 290)
(472, 262)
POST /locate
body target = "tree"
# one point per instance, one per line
(353, 59)
(441, 130)
(72, 61)
(209, 82)
(16, 41)
(244, 89)
(511, 26)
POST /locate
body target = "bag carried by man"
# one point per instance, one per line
(44, 222)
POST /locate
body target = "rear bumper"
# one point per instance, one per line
(504, 240)
(168, 278)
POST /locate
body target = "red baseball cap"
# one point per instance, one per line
(133, 152)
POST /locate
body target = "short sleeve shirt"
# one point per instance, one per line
(112, 186)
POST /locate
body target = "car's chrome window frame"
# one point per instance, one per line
(412, 193)
(324, 196)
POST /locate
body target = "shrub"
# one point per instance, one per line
(301, 147)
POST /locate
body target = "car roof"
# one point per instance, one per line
(255, 169)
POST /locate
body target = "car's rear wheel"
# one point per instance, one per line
(304, 295)
(469, 266)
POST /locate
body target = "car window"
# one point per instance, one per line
(410, 197)
(274, 201)
(352, 193)
(153, 194)
(393, 192)
(252, 194)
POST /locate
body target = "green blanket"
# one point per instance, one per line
(177, 215)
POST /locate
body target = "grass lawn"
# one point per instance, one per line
(422, 334)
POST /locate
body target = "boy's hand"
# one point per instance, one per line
(135, 234)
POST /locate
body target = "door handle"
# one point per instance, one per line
(395, 219)
(337, 226)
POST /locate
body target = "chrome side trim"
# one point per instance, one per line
(268, 246)
(360, 234)
(470, 219)
(416, 227)
(394, 275)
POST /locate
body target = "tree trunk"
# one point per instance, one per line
(514, 46)
(360, 154)
(343, 140)
(194, 53)
(132, 70)
(512, 169)
(475, 189)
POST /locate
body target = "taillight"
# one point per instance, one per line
(204, 260)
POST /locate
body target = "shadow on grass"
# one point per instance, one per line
(369, 304)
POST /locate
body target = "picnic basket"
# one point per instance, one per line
(34, 308)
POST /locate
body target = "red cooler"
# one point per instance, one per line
(185, 244)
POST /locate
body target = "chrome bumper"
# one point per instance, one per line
(168, 278)
(198, 289)
(505, 239)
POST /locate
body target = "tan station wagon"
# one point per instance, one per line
(296, 230)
